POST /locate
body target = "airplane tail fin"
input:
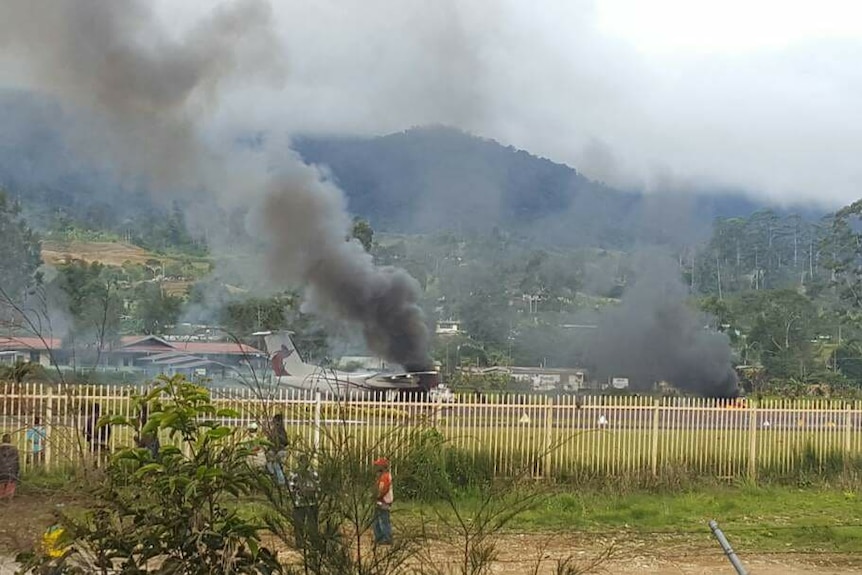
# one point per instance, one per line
(284, 357)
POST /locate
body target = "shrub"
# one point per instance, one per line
(173, 511)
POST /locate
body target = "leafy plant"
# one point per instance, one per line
(345, 504)
(175, 511)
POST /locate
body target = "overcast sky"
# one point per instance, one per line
(759, 94)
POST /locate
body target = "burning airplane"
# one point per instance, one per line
(289, 370)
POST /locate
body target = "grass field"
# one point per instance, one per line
(789, 526)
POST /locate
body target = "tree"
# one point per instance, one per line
(242, 318)
(90, 294)
(20, 251)
(848, 360)
(363, 232)
(154, 310)
(784, 324)
(482, 303)
(763, 251)
(843, 247)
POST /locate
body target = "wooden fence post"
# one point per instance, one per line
(654, 446)
(848, 432)
(549, 430)
(317, 423)
(752, 444)
(49, 426)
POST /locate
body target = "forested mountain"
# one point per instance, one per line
(436, 178)
(420, 180)
(58, 191)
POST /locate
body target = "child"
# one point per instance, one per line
(384, 498)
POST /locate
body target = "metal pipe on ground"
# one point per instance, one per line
(728, 550)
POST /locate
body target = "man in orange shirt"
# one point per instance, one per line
(384, 498)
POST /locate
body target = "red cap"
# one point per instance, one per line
(381, 461)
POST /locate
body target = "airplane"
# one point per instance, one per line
(289, 370)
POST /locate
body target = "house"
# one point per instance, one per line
(551, 378)
(448, 327)
(32, 349)
(143, 356)
(153, 355)
(563, 379)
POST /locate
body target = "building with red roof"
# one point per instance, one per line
(143, 355)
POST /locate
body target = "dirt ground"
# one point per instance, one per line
(520, 553)
(23, 519)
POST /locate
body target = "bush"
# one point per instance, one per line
(465, 470)
(421, 468)
(173, 511)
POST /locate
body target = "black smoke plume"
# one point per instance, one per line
(306, 221)
(655, 336)
(150, 94)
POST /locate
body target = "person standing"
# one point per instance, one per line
(98, 436)
(147, 440)
(277, 452)
(384, 497)
(303, 484)
(10, 466)
(36, 437)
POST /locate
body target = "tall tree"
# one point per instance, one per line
(154, 310)
(785, 322)
(241, 318)
(20, 251)
(94, 303)
(843, 249)
(363, 232)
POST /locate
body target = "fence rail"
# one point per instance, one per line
(560, 437)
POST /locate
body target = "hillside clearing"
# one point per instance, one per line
(107, 253)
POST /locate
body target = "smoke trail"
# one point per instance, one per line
(146, 89)
(307, 220)
(654, 336)
(150, 93)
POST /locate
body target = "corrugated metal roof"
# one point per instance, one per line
(30, 343)
(154, 343)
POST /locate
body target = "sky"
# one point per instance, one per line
(760, 96)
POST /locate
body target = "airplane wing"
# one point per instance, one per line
(405, 381)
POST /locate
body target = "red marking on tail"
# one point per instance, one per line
(278, 361)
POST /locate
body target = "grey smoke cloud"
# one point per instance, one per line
(150, 93)
(778, 121)
(307, 221)
(146, 90)
(653, 335)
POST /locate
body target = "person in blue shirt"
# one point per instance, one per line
(36, 437)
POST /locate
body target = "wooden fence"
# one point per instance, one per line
(561, 437)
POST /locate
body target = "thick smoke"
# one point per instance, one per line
(654, 336)
(307, 220)
(147, 90)
(149, 94)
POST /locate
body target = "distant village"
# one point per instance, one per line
(208, 353)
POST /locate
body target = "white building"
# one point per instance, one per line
(448, 327)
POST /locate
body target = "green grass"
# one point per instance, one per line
(773, 518)
(754, 518)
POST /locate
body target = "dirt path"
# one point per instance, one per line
(520, 554)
